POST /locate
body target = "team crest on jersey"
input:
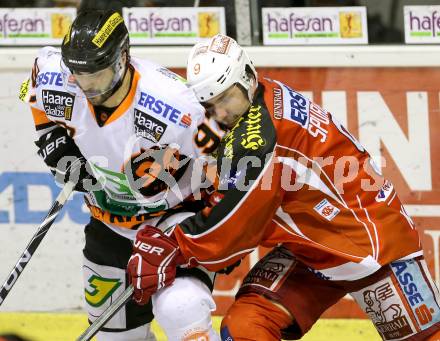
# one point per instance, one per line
(326, 209)
(148, 127)
(58, 104)
(384, 191)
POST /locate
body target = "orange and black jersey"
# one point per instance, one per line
(282, 171)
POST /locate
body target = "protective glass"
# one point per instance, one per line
(92, 84)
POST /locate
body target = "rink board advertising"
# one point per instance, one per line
(422, 24)
(173, 25)
(314, 25)
(34, 26)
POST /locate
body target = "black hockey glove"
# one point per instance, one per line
(65, 160)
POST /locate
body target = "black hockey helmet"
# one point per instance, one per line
(92, 54)
(96, 39)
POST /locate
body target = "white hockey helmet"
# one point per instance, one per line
(217, 64)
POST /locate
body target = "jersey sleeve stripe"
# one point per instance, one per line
(39, 116)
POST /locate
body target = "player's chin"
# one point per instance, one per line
(97, 100)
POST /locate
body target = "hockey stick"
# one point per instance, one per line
(106, 315)
(36, 239)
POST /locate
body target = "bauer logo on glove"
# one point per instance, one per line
(152, 265)
(148, 248)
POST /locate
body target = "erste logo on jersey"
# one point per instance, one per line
(148, 127)
(418, 291)
(49, 78)
(159, 107)
(58, 104)
(186, 120)
(296, 107)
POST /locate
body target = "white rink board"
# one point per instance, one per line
(53, 281)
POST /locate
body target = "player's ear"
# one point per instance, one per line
(124, 58)
(253, 82)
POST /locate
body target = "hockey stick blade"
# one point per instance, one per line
(36, 240)
(106, 315)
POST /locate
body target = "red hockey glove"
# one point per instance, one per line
(152, 265)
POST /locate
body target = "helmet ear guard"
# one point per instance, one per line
(216, 65)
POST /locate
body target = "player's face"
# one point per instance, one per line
(229, 106)
(96, 85)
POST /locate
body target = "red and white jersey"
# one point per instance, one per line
(159, 112)
(314, 189)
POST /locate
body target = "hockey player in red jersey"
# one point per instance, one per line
(282, 183)
(135, 123)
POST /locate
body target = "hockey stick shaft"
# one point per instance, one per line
(36, 240)
(106, 315)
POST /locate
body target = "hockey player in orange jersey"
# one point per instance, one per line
(290, 177)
